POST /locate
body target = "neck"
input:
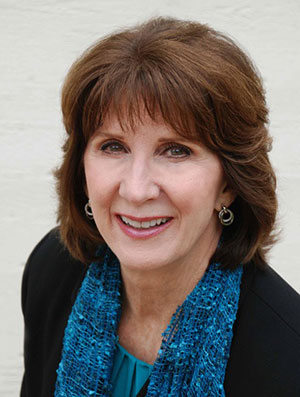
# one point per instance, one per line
(155, 294)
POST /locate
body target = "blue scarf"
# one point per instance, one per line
(195, 348)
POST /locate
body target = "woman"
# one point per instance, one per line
(167, 190)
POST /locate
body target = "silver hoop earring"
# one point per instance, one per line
(226, 216)
(88, 211)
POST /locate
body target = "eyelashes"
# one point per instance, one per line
(170, 150)
(113, 147)
(177, 150)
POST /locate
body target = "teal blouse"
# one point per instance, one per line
(129, 373)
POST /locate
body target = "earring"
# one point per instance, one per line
(226, 216)
(88, 211)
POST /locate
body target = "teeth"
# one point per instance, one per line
(135, 223)
(144, 225)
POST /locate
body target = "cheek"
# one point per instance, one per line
(100, 189)
(199, 193)
(91, 184)
(97, 180)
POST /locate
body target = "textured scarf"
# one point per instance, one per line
(195, 348)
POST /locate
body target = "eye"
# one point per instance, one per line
(112, 147)
(176, 150)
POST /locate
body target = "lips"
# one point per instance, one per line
(143, 227)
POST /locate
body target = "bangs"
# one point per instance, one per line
(130, 93)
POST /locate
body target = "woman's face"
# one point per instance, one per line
(154, 195)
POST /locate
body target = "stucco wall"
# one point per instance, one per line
(39, 40)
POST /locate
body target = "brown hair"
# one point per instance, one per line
(202, 85)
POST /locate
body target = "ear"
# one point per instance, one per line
(225, 198)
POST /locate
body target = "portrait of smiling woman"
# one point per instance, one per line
(156, 282)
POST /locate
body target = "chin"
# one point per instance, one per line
(141, 259)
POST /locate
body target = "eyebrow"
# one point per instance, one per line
(109, 135)
(117, 135)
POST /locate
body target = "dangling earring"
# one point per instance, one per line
(88, 211)
(226, 216)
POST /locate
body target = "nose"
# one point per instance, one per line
(138, 183)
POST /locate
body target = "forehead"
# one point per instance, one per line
(130, 121)
(145, 127)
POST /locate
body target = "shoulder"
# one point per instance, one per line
(50, 270)
(277, 298)
(268, 294)
(51, 251)
(50, 283)
(265, 351)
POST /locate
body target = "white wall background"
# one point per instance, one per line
(39, 39)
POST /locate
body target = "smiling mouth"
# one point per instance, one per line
(144, 224)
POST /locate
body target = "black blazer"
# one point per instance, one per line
(265, 351)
